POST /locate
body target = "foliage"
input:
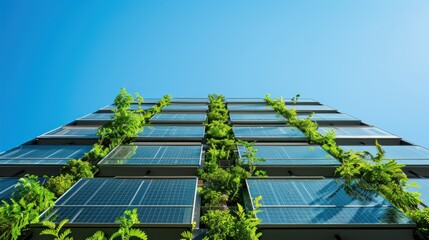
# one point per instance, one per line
(28, 202)
(250, 158)
(421, 218)
(79, 169)
(55, 231)
(187, 235)
(225, 225)
(60, 184)
(126, 231)
(384, 175)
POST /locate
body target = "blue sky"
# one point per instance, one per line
(60, 60)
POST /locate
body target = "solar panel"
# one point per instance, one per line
(245, 100)
(311, 108)
(261, 117)
(179, 117)
(145, 106)
(291, 155)
(189, 100)
(72, 132)
(158, 131)
(7, 187)
(404, 154)
(423, 189)
(267, 132)
(154, 155)
(186, 107)
(328, 116)
(356, 131)
(98, 116)
(102, 200)
(43, 154)
(321, 201)
(250, 107)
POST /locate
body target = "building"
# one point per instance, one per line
(301, 198)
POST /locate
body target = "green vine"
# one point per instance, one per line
(224, 186)
(385, 176)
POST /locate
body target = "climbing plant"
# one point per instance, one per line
(384, 175)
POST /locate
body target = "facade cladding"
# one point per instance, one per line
(158, 174)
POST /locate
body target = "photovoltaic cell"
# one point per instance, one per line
(159, 131)
(154, 155)
(43, 154)
(311, 108)
(145, 106)
(267, 132)
(100, 200)
(403, 154)
(250, 107)
(321, 201)
(7, 187)
(291, 155)
(261, 117)
(98, 116)
(356, 131)
(179, 117)
(328, 116)
(72, 132)
(185, 107)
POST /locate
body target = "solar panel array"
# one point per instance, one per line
(7, 187)
(255, 118)
(159, 131)
(321, 201)
(328, 116)
(102, 200)
(179, 117)
(267, 132)
(98, 116)
(72, 132)
(250, 107)
(43, 154)
(404, 154)
(154, 155)
(144, 106)
(311, 108)
(356, 131)
(185, 107)
(291, 155)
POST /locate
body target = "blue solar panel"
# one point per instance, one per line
(72, 132)
(98, 116)
(291, 155)
(159, 131)
(259, 117)
(268, 132)
(321, 201)
(43, 154)
(189, 100)
(185, 107)
(250, 107)
(332, 215)
(154, 155)
(103, 200)
(145, 106)
(179, 117)
(404, 154)
(423, 189)
(7, 187)
(356, 131)
(329, 116)
(311, 108)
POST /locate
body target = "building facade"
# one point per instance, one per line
(302, 197)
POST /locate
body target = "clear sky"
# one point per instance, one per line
(60, 60)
